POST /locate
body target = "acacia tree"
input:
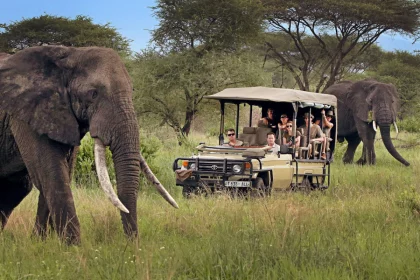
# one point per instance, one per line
(326, 33)
(206, 25)
(199, 44)
(171, 87)
(53, 30)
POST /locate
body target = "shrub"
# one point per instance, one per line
(85, 170)
(410, 199)
(409, 124)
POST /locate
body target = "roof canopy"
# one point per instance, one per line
(258, 94)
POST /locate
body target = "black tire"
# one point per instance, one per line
(187, 191)
(259, 189)
(305, 186)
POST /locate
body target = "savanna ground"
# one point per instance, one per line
(366, 226)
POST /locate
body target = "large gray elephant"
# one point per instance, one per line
(362, 106)
(50, 97)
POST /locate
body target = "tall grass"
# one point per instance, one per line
(365, 226)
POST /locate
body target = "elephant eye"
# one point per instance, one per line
(93, 93)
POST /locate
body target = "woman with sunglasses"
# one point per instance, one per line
(233, 142)
(288, 136)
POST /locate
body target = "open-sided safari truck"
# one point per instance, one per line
(253, 167)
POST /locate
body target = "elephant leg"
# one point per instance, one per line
(48, 165)
(43, 218)
(368, 138)
(353, 142)
(13, 190)
(368, 155)
(362, 160)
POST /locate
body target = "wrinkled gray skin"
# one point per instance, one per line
(355, 101)
(50, 97)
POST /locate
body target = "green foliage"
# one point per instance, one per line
(85, 171)
(217, 25)
(169, 89)
(57, 30)
(326, 36)
(410, 198)
(410, 124)
(149, 146)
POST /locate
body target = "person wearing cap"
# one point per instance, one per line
(326, 129)
(282, 125)
(326, 122)
(315, 132)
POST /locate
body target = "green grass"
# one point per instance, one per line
(366, 226)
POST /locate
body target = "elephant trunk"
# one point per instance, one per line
(126, 156)
(125, 148)
(104, 181)
(386, 138)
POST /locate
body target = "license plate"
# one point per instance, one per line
(238, 184)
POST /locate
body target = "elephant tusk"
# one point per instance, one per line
(159, 187)
(374, 126)
(105, 182)
(396, 127)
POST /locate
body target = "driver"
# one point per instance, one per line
(233, 142)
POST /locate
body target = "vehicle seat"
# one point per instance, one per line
(303, 152)
(262, 135)
(249, 136)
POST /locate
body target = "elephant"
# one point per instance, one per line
(362, 106)
(50, 97)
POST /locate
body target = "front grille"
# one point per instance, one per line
(217, 165)
(214, 167)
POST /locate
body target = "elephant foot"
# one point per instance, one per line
(361, 162)
(347, 160)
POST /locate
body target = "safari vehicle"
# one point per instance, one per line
(252, 168)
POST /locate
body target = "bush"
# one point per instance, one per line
(85, 170)
(409, 124)
(410, 199)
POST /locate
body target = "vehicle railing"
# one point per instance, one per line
(326, 169)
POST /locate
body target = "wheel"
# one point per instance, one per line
(187, 191)
(305, 186)
(200, 190)
(259, 189)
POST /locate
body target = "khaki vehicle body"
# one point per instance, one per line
(253, 167)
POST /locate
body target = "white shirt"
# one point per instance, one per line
(275, 149)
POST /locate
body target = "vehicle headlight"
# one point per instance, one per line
(192, 166)
(237, 168)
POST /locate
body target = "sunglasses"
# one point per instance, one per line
(233, 134)
(288, 126)
(284, 117)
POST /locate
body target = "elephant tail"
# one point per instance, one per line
(152, 178)
(386, 138)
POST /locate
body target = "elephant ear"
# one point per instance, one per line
(33, 90)
(357, 100)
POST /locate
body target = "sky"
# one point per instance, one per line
(132, 18)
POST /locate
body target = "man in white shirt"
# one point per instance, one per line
(271, 137)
